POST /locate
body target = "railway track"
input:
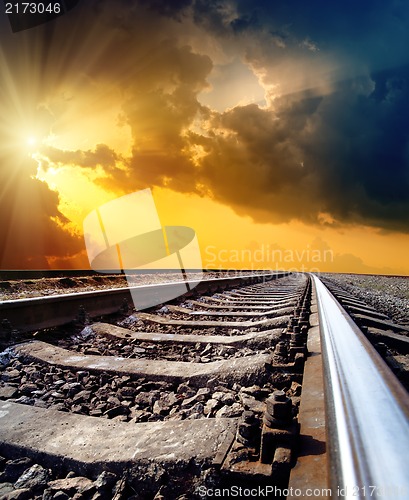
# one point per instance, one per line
(211, 392)
(390, 339)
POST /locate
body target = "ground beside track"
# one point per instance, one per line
(387, 294)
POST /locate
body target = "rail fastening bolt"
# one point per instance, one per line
(278, 406)
(281, 349)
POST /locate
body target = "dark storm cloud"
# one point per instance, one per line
(31, 226)
(103, 156)
(334, 23)
(339, 148)
(371, 134)
(344, 154)
(172, 8)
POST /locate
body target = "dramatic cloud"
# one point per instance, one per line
(102, 156)
(32, 229)
(344, 154)
(333, 150)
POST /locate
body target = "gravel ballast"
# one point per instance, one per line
(387, 294)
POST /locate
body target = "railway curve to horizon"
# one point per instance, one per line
(279, 383)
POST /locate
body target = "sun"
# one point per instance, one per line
(31, 141)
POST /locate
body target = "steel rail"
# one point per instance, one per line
(367, 410)
(55, 310)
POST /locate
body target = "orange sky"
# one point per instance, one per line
(245, 146)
